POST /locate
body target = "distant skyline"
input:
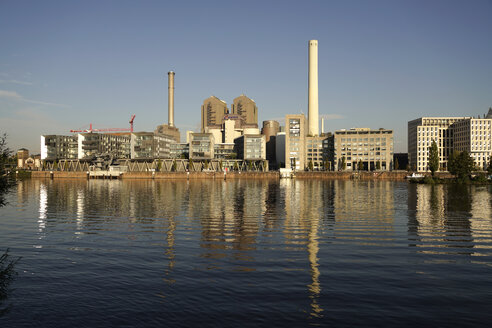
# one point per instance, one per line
(65, 64)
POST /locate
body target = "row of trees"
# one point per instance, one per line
(5, 153)
(7, 271)
(460, 164)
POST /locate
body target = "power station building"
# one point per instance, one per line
(213, 112)
(245, 108)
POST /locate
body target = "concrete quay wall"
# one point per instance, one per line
(384, 175)
(199, 175)
(58, 175)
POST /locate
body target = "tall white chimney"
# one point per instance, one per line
(313, 89)
(170, 97)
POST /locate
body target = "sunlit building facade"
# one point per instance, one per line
(361, 148)
(450, 134)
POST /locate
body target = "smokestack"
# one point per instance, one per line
(170, 97)
(313, 89)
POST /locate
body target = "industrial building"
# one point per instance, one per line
(245, 108)
(213, 112)
(269, 130)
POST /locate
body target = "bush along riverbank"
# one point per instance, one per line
(478, 179)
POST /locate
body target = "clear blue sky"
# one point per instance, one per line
(64, 64)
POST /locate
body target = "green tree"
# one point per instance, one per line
(310, 165)
(360, 165)
(343, 164)
(461, 165)
(489, 168)
(326, 165)
(433, 158)
(7, 275)
(396, 165)
(5, 153)
(378, 165)
(190, 165)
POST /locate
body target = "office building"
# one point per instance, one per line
(295, 141)
(361, 148)
(314, 152)
(421, 133)
(474, 136)
(450, 134)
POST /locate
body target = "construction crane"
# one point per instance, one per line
(90, 129)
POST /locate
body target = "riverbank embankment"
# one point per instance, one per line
(381, 175)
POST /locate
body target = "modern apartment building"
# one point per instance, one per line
(373, 149)
(251, 147)
(179, 150)
(202, 146)
(54, 147)
(150, 145)
(95, 144)
(224, 150)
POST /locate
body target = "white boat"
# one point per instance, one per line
(415, 176)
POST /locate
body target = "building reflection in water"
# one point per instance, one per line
(304, 208)
(450, 219)
(229, 214)
(43, 207)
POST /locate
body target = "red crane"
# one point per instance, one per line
(90, 129)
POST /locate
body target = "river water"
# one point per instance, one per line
(207, 253)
